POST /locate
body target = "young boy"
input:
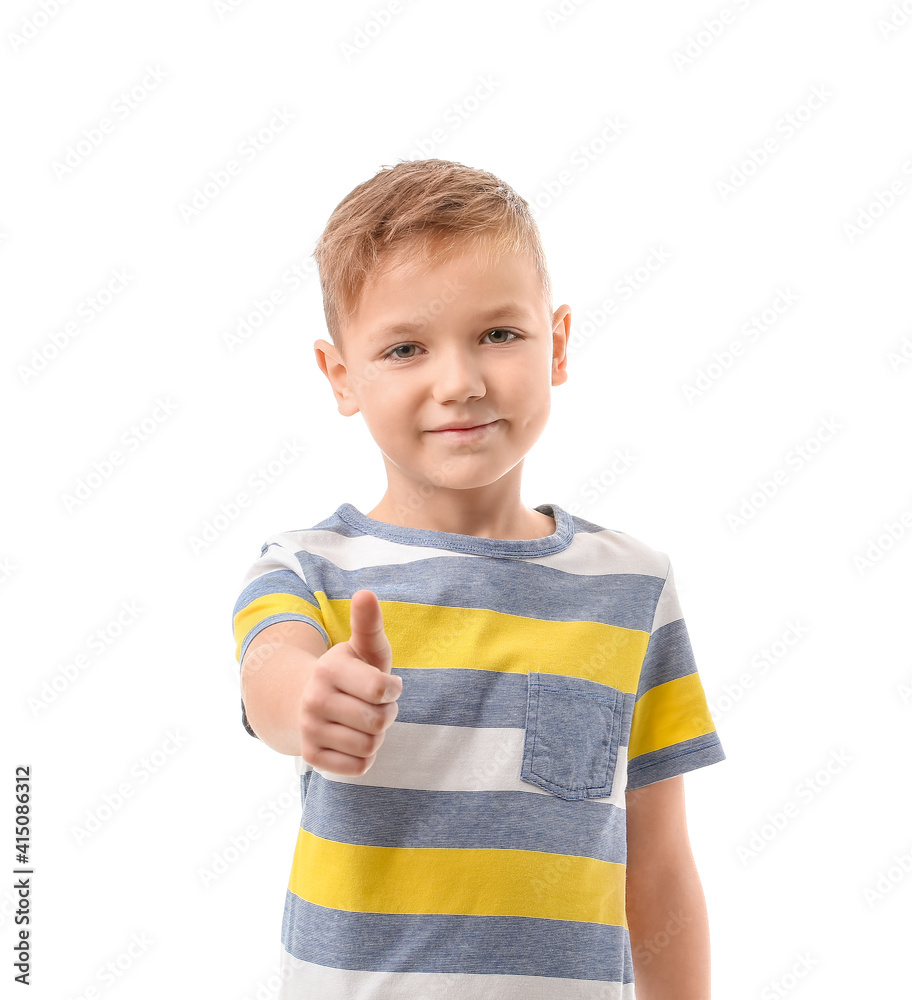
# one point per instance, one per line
(490, 707)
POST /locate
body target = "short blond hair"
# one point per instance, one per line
(413, 214)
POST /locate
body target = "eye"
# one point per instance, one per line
(389, 354)
(502, 330)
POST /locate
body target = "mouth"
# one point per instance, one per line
(464, 433)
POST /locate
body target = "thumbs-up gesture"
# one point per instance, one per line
(349, 698)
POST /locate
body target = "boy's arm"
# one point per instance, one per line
(666, 909)
(273, 673)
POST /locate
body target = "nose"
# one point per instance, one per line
(457, 376)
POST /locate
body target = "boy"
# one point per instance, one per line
(491, 707)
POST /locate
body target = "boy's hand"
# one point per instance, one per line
(349, 699)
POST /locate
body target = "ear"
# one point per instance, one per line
(561, 332)
(334, 368)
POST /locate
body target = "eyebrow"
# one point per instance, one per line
(508, 309)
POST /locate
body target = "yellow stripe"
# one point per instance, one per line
(669, 713)
(457, 881)
(272, 604)
(429, 636)
(435, 637)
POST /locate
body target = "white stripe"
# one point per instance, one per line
(274, 558)
(458, 759)
(669, 608)
(306, 981)
(585, 556)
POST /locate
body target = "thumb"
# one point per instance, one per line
(368, 640)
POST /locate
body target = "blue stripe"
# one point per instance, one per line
(677, 759)
(484, 699)
(408, 817)
(461, 696)
(669, 656)
(530, 590)
(287, 616)
(479, 945)
(278, 581)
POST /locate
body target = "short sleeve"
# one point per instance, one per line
(672, 730)
(274, 590)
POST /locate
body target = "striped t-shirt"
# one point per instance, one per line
(483, 854)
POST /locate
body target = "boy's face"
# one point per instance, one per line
(482, 349)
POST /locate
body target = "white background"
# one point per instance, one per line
(819, 738)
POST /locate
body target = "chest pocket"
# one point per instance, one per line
(573, 730)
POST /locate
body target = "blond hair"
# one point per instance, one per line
(411, 215)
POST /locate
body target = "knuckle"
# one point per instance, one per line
(375, 719)
(369, 719)
(313, 704)
(322, 672)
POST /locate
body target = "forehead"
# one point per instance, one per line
(426, 263)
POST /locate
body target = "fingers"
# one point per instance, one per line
(344, 734)
(346, 690)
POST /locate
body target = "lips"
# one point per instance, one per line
(460, 427)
